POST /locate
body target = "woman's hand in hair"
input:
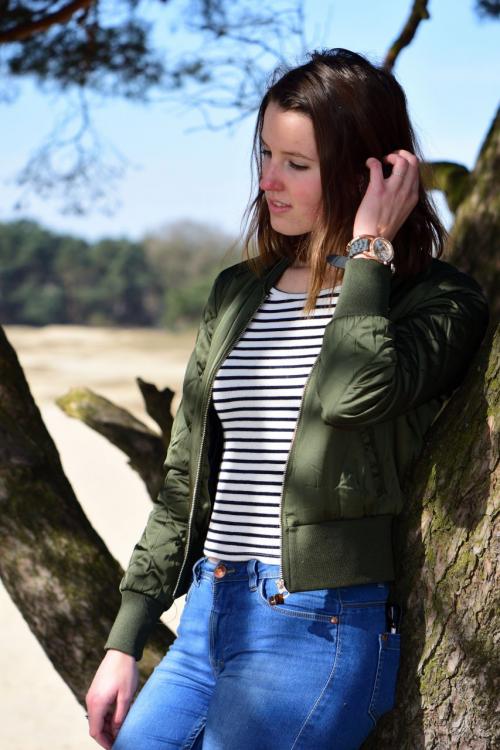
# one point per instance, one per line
(388, 201)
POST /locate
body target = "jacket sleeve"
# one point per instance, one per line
(148, 584)
(372, 369)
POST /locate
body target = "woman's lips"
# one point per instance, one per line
(277, 207)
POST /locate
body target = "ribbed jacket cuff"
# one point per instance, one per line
(366, 288)
(134, 622)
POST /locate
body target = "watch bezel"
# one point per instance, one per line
(385, 253)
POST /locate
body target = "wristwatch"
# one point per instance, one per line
(379, 248)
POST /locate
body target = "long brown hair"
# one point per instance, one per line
(357, 110)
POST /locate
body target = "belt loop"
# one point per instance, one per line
(252, 574)
(196, 571)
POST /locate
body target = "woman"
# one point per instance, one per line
(314, 378)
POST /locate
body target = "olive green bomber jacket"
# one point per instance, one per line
(392, 354)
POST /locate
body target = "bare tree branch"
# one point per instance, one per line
(452, 179)
(19, 33)
(488, 8)
(74, 164)
(144, 447)
(239, 44)
(418, 13)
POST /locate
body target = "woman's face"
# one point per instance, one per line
(290, 176)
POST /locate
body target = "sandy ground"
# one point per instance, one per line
(38, 712)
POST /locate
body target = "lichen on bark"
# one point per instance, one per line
(449, 675)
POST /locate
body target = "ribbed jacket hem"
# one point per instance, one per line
(135, 620)
(366, 288)
(342, 552)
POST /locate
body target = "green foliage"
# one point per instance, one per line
(187, 256)
(51, 278)
(183, 305)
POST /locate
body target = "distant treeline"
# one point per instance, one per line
(162, 280)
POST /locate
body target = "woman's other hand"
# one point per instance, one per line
(109, 696)
(388, 202)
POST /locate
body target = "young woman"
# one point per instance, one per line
(320, 363)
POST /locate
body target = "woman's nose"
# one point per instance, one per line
(270, 179)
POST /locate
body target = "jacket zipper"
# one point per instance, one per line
(281, 582)
(195, 489)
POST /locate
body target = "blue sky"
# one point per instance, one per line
(449, 73)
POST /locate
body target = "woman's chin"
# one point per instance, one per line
(288, 228)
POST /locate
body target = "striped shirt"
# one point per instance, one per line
(257, 393)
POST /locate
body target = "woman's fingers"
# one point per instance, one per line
(401, 153)
(388, 202)
(405, 167)
(110, 695)
(120, 712)
(376, 174)
(400, 166)
(99, 717)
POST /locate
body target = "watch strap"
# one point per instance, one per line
(337, 260)
(362, 243)
(340, 262)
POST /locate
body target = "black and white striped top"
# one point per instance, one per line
(257, 393)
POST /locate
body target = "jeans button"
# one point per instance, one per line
(220, 571)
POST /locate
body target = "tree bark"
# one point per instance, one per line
(446, 560)
(453, 180)
(444, 542)
(417, 14)
(55, 567)
(42, 23)
(474, 241)
(145, 449)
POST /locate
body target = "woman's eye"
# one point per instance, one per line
(266, 154)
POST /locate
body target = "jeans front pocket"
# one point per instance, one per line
(384, 688)
(321, 605)
(190, 591)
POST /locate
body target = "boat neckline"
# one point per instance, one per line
(322, 292)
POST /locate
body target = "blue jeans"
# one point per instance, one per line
(245, 673)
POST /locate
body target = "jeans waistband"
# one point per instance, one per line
(255, 570)
(235, 570)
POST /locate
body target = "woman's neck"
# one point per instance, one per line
(296, 278)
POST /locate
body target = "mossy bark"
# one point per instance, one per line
(56, 568)
(145, 449)
(474, 242)
(444, 543)
(446, 560)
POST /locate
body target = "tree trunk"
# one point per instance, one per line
(446, 560)
(56, 568)
(474, 241)
(444, 542)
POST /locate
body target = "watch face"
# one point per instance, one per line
(383, 249)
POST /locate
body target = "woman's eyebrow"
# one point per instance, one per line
(291, 153)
